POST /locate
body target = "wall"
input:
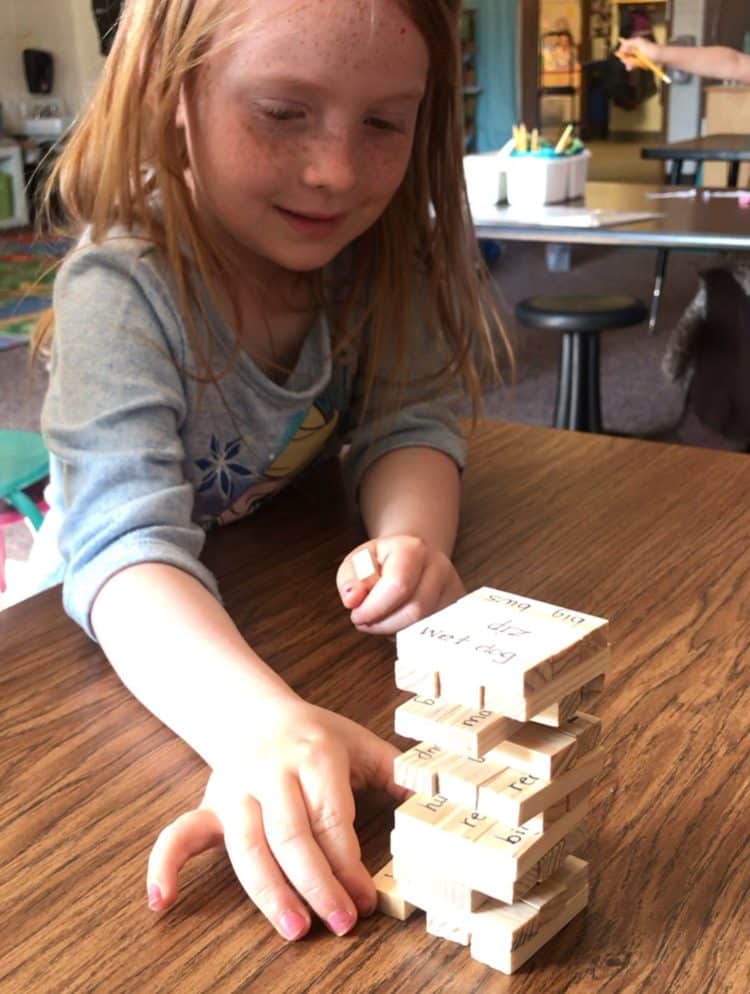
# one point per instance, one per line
(65, 28)
(685, 98)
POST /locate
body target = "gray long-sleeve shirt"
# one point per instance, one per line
(144, 459)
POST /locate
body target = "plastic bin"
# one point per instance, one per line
(578, 172)
(485, 178)
(534, 180)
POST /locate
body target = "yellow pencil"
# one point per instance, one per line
(535, 140)
(646, 63)
(563, 140)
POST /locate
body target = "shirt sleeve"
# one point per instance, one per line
(112, 420)
(423, 416)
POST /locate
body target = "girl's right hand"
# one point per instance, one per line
(288, 824)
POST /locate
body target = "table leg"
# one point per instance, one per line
(733, 173)
(675, 172)
(661, 271)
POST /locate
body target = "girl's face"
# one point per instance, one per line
(300, 132)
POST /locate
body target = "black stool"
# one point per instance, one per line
(580, 319)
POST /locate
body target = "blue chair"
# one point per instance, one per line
(24, 461)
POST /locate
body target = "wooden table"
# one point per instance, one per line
(732, 149)
(710, 224)
(655, 537)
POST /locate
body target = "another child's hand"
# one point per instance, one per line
(628, 51)
(287, 821)
(413, 580)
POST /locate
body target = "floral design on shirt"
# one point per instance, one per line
(220, 467)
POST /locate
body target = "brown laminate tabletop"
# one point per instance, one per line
(654, 537)
(705, 223)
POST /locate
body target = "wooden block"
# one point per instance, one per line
(420, 812)
(513, 851)
(508, 926)
(417, 768)
(456, 729)
(423, 884)
(557, 713)
(444, 926)
(591, 693)
(423, 861)
(390, 901)
(524, 708)
(363, 564)
(416, 679)
(485, 950)
(455, 688)
(459, 778)
(549, 896)
(492, 642)
(545, 818)
(537, 749)
(515, 797)
(418, 717)
(586, 729)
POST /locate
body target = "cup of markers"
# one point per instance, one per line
(541, 172)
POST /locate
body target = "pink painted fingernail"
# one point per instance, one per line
(292, 925)
(154, 896)
(340, 922)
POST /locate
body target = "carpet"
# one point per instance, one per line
(27, 271)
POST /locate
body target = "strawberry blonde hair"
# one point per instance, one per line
(128, 146)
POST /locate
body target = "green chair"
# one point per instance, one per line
(24, 461)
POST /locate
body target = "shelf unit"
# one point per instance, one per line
(471, 90)
(11, 163)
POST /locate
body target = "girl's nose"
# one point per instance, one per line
(330, 163)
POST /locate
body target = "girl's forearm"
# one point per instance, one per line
(413, 491)
(178, 651)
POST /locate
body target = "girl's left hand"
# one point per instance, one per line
(413, 579)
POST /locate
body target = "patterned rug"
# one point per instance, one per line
(27, 272)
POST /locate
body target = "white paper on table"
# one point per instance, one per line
(559, 216)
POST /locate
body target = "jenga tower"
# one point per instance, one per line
(506, 759)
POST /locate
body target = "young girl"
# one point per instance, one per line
(274, 258)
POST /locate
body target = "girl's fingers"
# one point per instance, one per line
(403, 563)
(330, 804)
(357, 575)
(290, 838)
(427, 597)
(260, 874)
(190, 834)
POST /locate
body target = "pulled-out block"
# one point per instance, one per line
(390, 901)
(494, 640)
(485, 949)
(547, 752)
(456, 729)
(516, 797)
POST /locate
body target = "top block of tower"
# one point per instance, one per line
(501, 641)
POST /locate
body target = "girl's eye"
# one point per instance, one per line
(283, 113)
(380, 125)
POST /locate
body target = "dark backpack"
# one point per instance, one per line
(719, 391)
